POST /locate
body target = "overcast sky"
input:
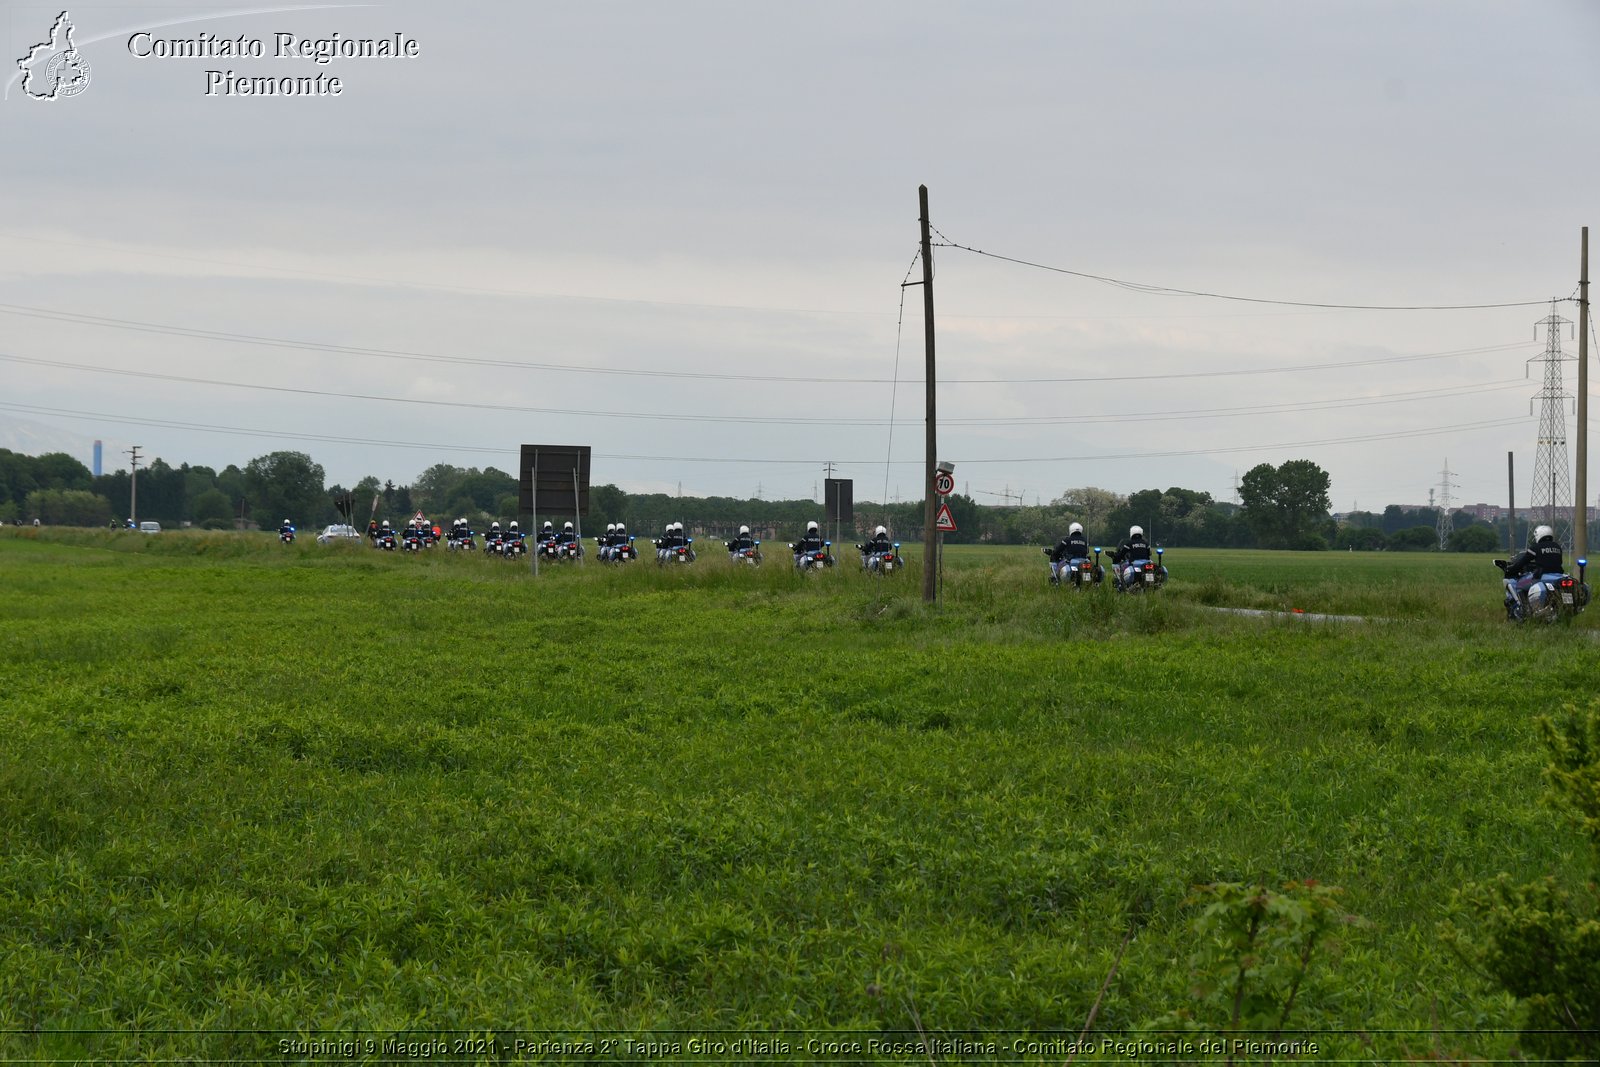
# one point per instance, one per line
(570, 195)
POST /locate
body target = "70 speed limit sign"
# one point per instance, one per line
(944, 483)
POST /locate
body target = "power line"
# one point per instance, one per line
(1166, 290)
(796, 420)
(799, 463)
(894, 390)
(77, 318)
(401, 283)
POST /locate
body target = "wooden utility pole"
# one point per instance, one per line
(930, 536)
(1580, 519)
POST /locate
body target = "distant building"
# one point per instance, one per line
(97, 447)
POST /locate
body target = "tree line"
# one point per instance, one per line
(1286, 506)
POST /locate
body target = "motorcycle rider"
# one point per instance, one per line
(1541, 559)
(742, 541)
(876, 547)
(1130, 555)
(512, 538)
(1071, 550)
(671, 539)
(567, 541)
(620, 541)
(811, 541)
(286, 530)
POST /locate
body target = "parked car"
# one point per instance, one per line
(149, 527)
(338, 532)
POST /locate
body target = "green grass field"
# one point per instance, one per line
(254, 794)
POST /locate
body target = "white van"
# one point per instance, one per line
(149, 527)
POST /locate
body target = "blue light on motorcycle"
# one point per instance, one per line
(1583, 563)
(897, 544)
(1159, 551)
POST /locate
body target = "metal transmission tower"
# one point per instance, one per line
(1549, 500)
(1445, 526)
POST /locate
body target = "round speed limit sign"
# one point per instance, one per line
(944, 483)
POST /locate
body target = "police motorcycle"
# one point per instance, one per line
(1140, 576)
(512, 543)
(673, 547)
(878, 557)
(415, 540)
(493, 540)
(1079, 573)
(747, 554)
(286, 533)
(617, 544)
(567, 545)
(812, 558)
(1551, 596)
(461, 538)
(385, 539)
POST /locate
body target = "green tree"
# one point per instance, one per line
(68, 507)
(1360, 538)
(1285, 505)
(1475, 538)
(1175, 517)
(285, 485)
(437, 487)
(57, 470)
(1091, 506)
(163, 493)
(211, 510)
(1540, 941)
(1415, 539)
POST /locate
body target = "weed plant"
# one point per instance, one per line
(251, 791)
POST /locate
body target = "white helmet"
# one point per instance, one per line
(677, 527)
(880, 532)
(385, 524)
(566, 526)
(1541, 532)
(494, 526)
(1076, 527)
(611, 527)
(622, 527)
(812, 525)
(744, 530)
(513, 524)
(547, 525)
(286, 522)
(1136, 531)
(461, 522)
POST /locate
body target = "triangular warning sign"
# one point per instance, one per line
(943, 521)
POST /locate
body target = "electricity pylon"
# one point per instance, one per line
(1445, 526)
(1549, 498)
